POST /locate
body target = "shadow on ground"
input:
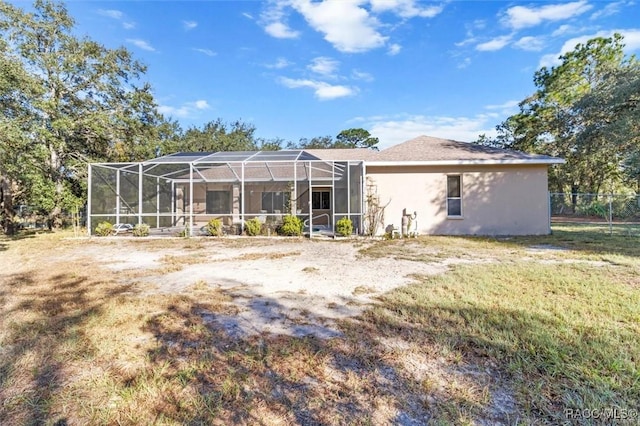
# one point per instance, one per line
(45, 335)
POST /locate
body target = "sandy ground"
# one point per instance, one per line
(296, 287)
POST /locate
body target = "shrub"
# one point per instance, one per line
(344, 227)
(214, 227)
(291, 226)
(184, 233)
(141, 230)
(253, 227)
(104, 229)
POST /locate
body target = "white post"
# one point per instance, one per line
(173, 203)
(242, 199)
(310, 203)
(333, 196)
(190, 200)
(139, 193)
(89, 201)
(118, 196)
(157, 202)
(610, 214)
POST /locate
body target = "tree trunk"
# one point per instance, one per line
(6, 204)
(54, 219)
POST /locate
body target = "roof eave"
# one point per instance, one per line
(545, 161)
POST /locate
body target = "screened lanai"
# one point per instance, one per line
(186, 190)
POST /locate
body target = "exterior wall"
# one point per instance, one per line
(496, 200)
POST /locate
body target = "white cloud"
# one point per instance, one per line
(273, 19)
(201, 104)
(394, 49)
(117, 15)
(279, 64)
(532, 44)
(322, 90)
(207, 52)
(361, 75)
(141, 44)
(247, 15)
(324, 66)
(518, 17)
(189, 25)
(406, 8)
(347, 26)
(186, 110)
(631, 41)
(495, 44)
(610, 9)
(111, 13)
(281, 30)
(394, 130)
(464, 63)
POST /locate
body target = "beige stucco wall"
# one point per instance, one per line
(496, 200)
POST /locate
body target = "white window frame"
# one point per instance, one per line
(454, 216)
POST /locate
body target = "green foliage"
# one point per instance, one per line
(291, 226)
(350, 138)
(253, 227)
(595, 208)
(104, 229)
(585, 110)
(184, 233)
(65, 101)
(356, 138)
(214, 227)
(141, 230)
(344, 227)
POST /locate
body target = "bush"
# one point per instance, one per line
(104, 229)
(291, 226)
(253, 227)
(141, 230)
(344, 227)
(214, 227)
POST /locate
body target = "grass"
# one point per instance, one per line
(517, 332)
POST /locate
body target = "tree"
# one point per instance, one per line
(350, 138)
(585, 110)
(214, 136)
(356, 138)
(82, 102)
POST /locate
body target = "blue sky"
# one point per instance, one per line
(302, 68)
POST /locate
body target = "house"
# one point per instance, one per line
(429, 185)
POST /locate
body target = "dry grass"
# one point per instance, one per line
(515, 341)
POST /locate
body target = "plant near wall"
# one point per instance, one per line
(253, 227)
(344, 227)
(141, 230)
(291, 226)
(214, 227)
(374, 216)
(104, 229)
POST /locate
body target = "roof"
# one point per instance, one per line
(344, 154)
(233, 156)
(431, 150)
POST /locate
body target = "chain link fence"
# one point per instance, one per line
(607, 212)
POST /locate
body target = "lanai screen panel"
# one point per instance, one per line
(190, 189)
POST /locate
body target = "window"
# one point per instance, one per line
(272, 201)
(218, 202)
(454, 195)
(321, 200)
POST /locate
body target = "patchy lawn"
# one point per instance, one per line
(434, 330)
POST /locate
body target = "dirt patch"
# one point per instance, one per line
(293, 288)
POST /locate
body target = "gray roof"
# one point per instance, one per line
(430, 149)
(346, 154)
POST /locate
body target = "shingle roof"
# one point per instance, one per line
(427, 148)
(346, 154)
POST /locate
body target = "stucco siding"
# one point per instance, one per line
(496, 200)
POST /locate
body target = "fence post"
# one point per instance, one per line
(610, 214)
